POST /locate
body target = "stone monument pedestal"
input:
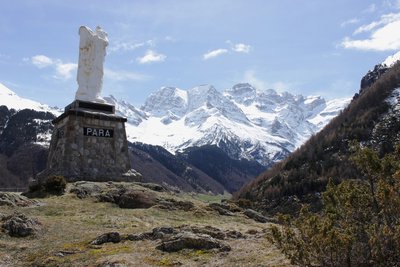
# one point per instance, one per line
(89, 143)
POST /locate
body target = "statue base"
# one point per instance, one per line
(89, 143)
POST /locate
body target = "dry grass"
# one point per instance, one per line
(70, 224)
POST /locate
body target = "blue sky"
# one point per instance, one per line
(301, 46)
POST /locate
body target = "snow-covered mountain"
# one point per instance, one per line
(391, 60)
(37, 119)
(13, 101)
(243, 121)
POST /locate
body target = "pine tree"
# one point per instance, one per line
(360, 221)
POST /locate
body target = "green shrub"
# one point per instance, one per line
(55, 185)
(35, 187)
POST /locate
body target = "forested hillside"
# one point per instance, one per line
(372, 118)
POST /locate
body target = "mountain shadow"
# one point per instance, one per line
(212, 160)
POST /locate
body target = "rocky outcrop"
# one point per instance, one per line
(187, 240)
(135, 199)
(19, 225)
(172, 204)
(174, 239)
(130, 198)
(129, 195)
(227, 209)
(258, 217)
(372, 76)
(113, 237)
(156, 233)
(85, 189)
(15, 199)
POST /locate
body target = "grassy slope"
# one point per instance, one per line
(71, 223)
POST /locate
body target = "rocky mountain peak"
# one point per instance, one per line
(125, 109)
(244, 122)
(166, 99)
(380, 69)
(242, 89)
(242, 93)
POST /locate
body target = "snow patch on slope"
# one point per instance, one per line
(12, 100)
(391, 60)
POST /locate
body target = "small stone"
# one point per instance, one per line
(252, 232)
(113, 237)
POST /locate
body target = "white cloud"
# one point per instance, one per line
(385, 20)
(280, 86)
(124, 46)
(65, 71)
(129, 46)
(215, 53)
(125, 75)
(241, 48)
(349, 22)
(62, 70)
(151, 57)
(238, 48)
(383, 39)
(41, 61)
(384, 35)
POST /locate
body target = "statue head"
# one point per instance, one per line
(102, 34)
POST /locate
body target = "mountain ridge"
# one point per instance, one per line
(237, 120)
(213, 118)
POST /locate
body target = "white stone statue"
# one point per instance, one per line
(92, 51)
